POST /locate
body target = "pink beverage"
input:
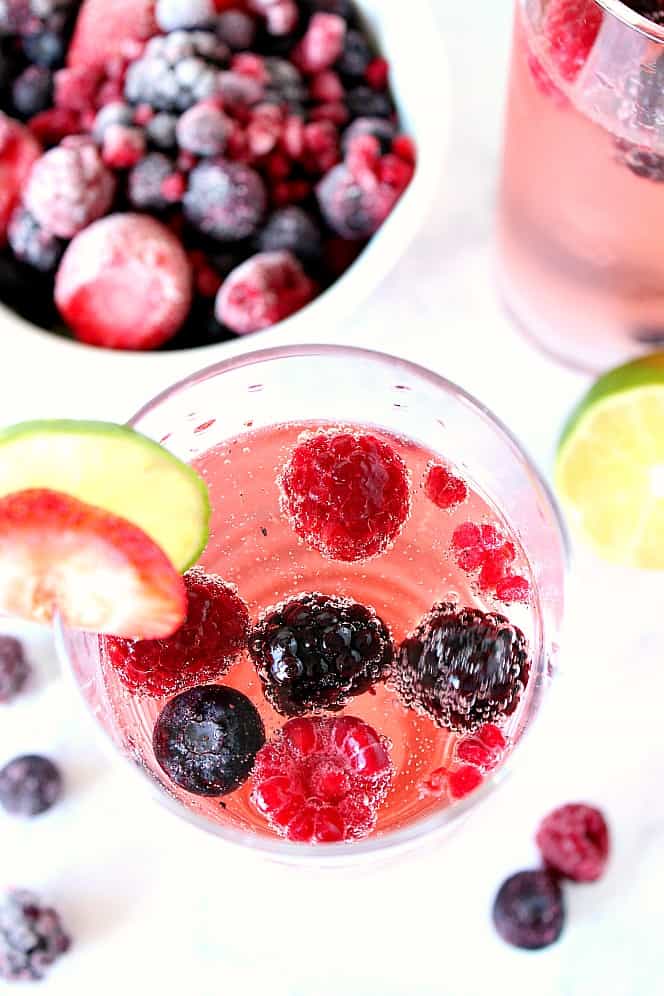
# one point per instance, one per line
(582, 196)
(254, 546)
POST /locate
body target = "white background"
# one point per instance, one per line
(154, 904)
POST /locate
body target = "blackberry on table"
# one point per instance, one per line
(32, 244)
(177, 70)
(32, 937)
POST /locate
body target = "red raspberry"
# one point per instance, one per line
(322, 780)
(492, 736)
(464, 780)
(334, 111)
(51, 126)
(326, 87)
(495, 564)
(467, 546)
(322, 44)
(513, 588)
(262, 291)
(214, 633)
(574, 841)
(377, 73)
(347, 494)
(484, 750)
(443, 488)
(321, 147)
(570, 28)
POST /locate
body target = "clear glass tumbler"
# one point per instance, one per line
(582, 196)
(225, 420)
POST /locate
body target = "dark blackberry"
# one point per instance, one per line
(32, 91)
(363, 102)
(225, 200)
(145, 181)
(293, 229)
(355, 57)
(32, 244)
(14, 669)
(206, 739)
(29, 785)
(463, 667)
(642, 162)
(528, 911)
(380, 128)
(177, 70)
(317, 651)
(32, 937)
(285, 84)
(237, 29)
(45, 48)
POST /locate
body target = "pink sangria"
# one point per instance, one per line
(372, 624)
(582, 194)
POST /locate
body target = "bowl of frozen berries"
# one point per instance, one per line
(175, 174)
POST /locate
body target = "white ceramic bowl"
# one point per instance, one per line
(111, 384)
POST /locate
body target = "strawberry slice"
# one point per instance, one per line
(102, 28)
(18, 151)
(96, 570)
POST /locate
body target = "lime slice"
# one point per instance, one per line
(116, 469)
(610, 465)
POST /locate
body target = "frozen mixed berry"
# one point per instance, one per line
(317, 651)
(443, 488)
(214, 633)
(115, 113)
(206, 739)
(31, 243)
(123, 146)
(225, 200)
(203, 130)
(103, 29)
(284, 84)
(18, 153)
(262, 291)
(356, 55)
(320, 780)
(528, 911)
(574, 842)
(32, 937)
(186, 14)
(146, 181)
(236, 28)
(379, 128)
(69, 187)
(322, 44)
(32, 91)
(29, 785)
(14, 668)
(570, 29)
(347, 494)
(365, 102)
(177, 70)
(463, 667)
(46, 46)
(294, 230)
(355, 210)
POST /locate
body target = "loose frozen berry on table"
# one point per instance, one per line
(29, 785)
(574, 842)
(14, 668)
(32, 937)
(528, 911)
(262, 291)
(225, 200)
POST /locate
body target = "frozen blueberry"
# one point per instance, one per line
(14, 669)
(528, 911)
(225, 200)
(161, 129)
(145, 182)
(356, 55)
(32, 91)
(293, 229)
(237, 29)
(33, 244)
(29, 785)
(364, 102)
(45, 48)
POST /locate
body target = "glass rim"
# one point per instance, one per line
(633, 20)
(406, 837)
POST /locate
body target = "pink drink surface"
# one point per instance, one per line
(253, 545)
(579, 231)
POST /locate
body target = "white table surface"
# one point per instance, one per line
(154, 903)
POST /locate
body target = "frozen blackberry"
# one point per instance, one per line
(356, 55)
(225, 200)
(14, 669)
(528, 911)
(144, 187)
(318, 651)
(285, 84)
(642, 162)
(32, 91)
(363, 102)
(463, 667)
(291, 228)
(31, 243)
(379, 128)
(29, 785)
(32, 937)
(206, 739)
(177, 70)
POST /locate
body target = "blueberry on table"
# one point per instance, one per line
(29, 785)
(528, 911)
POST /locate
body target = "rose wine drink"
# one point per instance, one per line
(363, 644)
(582, 195)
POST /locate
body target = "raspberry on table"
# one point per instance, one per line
(574, 842)
(317, 651)
(206, 739)
(443, 488)
(463, 667)
(262, 291)
(347, 494)
(32, 937)
(203, 649)
(225, 200)
(294, 230)
(14, 668)
(29, 785)
(32, 243)
(528, 911)
(570, 28)
(177, 70)
(320, 780)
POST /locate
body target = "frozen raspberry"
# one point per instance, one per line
(463, 667)
(177, 70)
(356, 55)
(69, 187)
(236, 28)
(281, 16)
(492, 737)
(377, 74)
(18, 152)
(29, 785)
(570, 28)
(173, 15)
(347, 494)
(317, 651)
(294, 230)
(574, 841)
(513, 588)
(14, 668)
(262, 291)
(225, 200)
(32, 91)
(32, 937)
(379, 128)
(352, 210)
(528, 911)
(124, 283)
(203, 130)
(123, 147)
(206, 739)
(51, 126)
(443, 488)
(326, 87)
(146, 180)
(203, 649)
(32, 244)
(322, 43)
(463, 781)
(322, 780)
(483, 750)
